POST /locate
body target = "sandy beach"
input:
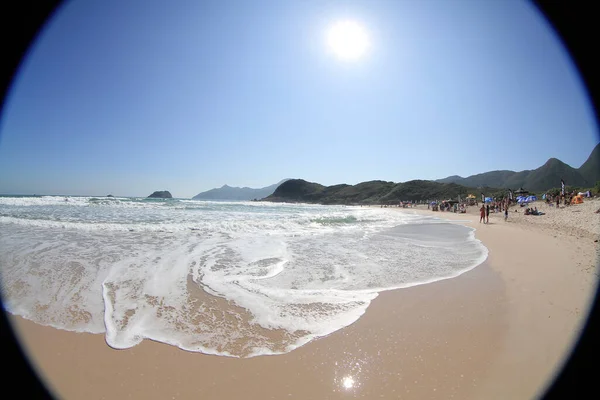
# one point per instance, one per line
(499, 331)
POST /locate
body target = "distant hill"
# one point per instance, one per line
(546, 177)
(372, 192)
(236, 193)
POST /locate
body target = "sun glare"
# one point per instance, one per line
(348, 382)
(348, 40)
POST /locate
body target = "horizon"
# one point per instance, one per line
(190, 97)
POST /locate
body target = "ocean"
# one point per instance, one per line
(237, 279)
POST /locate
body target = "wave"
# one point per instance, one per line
(230, 279)
(349, 219)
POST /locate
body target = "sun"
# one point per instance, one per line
(348, 40)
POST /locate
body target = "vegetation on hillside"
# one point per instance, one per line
(543, 178)
(372, 192)
(495, 184)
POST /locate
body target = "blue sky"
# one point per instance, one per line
(131, 97)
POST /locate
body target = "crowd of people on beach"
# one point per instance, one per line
(567, 199)
(496, 205)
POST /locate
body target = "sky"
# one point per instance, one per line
(126, 98)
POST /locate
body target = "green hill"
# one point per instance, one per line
(590, 169)
(546, 177)
(372, 192)
(492, 184)
(549, 175)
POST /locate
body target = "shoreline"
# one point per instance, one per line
(500, 330)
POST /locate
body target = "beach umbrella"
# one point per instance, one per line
(488, 199)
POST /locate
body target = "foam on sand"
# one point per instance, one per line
(280, 276)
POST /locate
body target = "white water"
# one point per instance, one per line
(236, 279)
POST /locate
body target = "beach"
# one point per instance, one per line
(499, 331)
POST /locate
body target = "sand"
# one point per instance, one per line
(499, 331)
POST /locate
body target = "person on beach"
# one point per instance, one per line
(505, 213)
(487, 213)
(482, 214)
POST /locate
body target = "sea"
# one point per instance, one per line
(237, 279)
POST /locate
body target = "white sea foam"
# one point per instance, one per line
(229, 278)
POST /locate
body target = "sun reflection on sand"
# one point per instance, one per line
(348, 373)
(348, 382)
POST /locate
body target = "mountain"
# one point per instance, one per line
(591, 167)
(480, 179)
(372, 192)
(546, 177)
(236, 193)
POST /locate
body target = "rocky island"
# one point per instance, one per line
(164, 194)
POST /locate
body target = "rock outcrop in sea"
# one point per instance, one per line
(164, 194)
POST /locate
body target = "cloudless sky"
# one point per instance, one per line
(129, 97)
